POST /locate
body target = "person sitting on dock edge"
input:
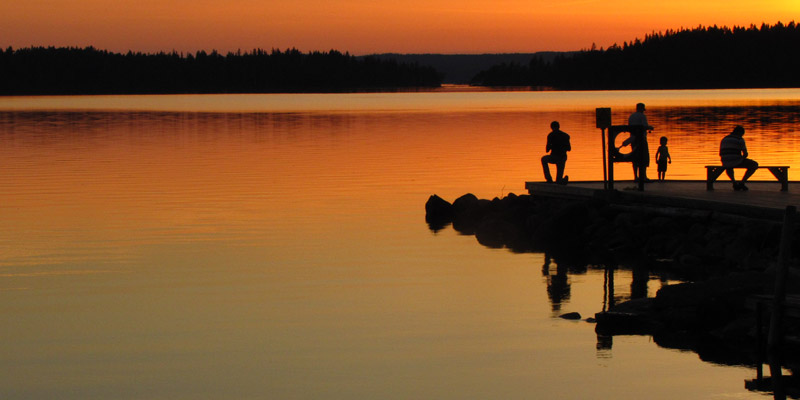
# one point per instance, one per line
(558, 146)
(733, 153)
(640, 147)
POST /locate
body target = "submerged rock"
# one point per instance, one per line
(572, 316)
(631, 317)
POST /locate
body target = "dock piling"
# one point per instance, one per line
(781, 273)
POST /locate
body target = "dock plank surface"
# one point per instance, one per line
(763, 200)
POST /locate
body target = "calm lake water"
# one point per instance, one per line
(274, 246)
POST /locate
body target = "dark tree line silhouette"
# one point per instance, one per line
(703, 57)
(51, 70)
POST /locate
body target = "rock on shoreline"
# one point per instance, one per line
(702, 243)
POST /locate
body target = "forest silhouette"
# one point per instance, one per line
(703, 57)
(52, 70)
(699, 58)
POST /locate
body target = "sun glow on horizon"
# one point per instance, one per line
(363, 27)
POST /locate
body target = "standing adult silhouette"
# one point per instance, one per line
(640, 148)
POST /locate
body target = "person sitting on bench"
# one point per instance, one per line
(733, 153)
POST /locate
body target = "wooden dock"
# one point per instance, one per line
(763, 200)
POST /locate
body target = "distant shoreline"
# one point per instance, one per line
(766, 56)
(75, 71)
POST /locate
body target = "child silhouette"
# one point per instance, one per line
(662, 159)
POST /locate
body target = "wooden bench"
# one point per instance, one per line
(781, 173)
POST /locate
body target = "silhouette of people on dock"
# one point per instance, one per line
(639, 144)
(558, 146)
(662, 159)
(733, 154)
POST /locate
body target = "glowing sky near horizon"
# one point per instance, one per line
(367, 26)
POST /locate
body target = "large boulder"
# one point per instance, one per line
(438, 212)
(468, 211)
(466, 205)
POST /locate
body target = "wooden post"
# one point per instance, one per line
(603, 121)
(605, 289)
(610, 185)
(639, 132)
(776, 379)
(610, 284)
(605, 165)
(775, 328)
(759, 341)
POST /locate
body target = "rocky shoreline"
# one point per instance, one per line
(725, 261)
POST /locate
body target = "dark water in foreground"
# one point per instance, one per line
(274, 246)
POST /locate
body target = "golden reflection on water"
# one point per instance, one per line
(96, 178)
(447, 99)
(283, 253)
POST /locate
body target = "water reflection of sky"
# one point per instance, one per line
(260, 251)
(444, 100)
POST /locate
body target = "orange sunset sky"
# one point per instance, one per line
(367, 26)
